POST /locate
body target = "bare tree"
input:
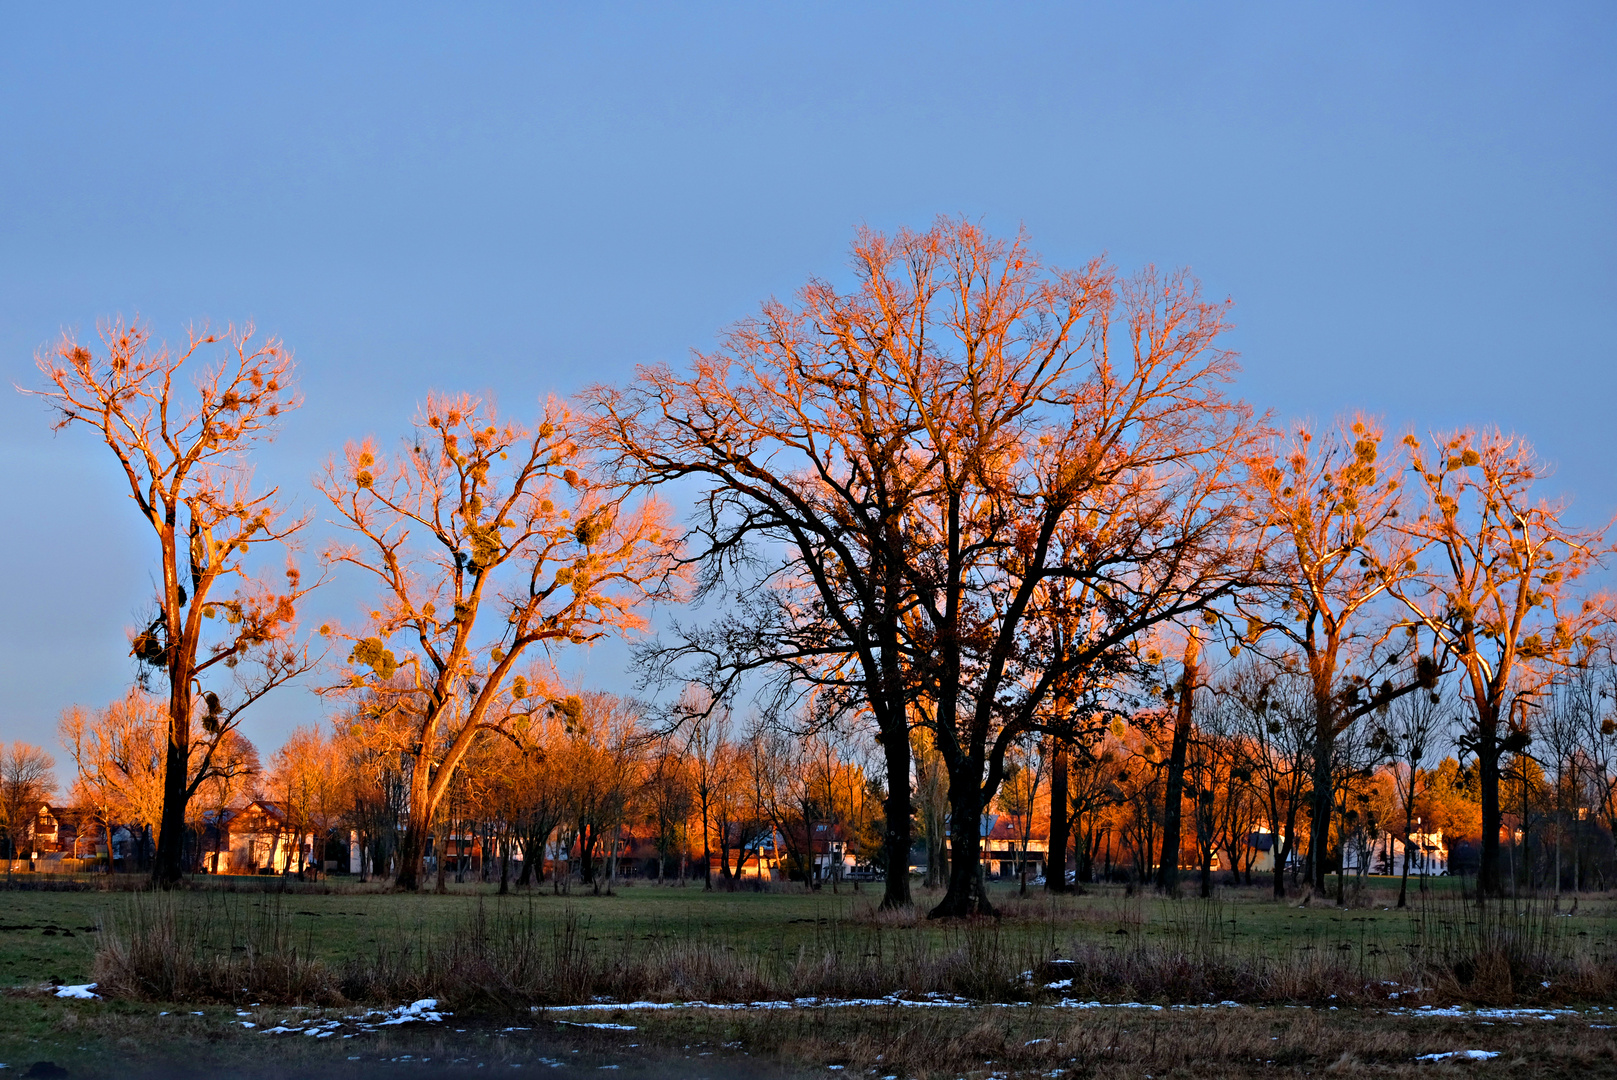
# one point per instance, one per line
(781, 776)
(368, 742)
(670, 798)
(1019, 795)
(1415, 726)
(186, 463)
(1173, 801)
(539, 793)
(708, 748)
(1211, 786)
(931, 788)
(1563, 731)
(600, 754)
(478, 561)
(1093, 787)
(235, 767)
(1333, 502)
(308, 788)
(1596, 696)
(927, 452)
(1273, 710)
(27, 778)
(1499, 597)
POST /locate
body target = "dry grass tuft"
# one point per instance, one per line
(160, 950)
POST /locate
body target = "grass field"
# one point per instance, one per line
(48, 935)
(749, 946)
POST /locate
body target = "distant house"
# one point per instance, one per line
(254, 838)
(831, 857)
(1002, 845)
(760, 859)
(58, 832)
(55, 829)
(1383, 853)
(1263, 848)
(458, 848)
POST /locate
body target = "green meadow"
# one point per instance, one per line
(52, 935)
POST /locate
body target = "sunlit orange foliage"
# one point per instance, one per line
(1500, 595)
(185, 459)
(485, 539)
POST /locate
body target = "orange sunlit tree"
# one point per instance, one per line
(220, 639)
(1499, 596)
(486, 540)
(1332, 500)
(893, 474)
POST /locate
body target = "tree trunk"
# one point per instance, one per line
(1488, 788)
(168, 866)
(1319, 830)
(527, 864)
(586, 856)
(413, 848)
(412, 852)
(1055, 870)
(1403, 884)
(707, 850)
(440, 854)
(1168, 870)
(968, 892)
(896, 748)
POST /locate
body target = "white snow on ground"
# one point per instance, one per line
(796, 1003)
(939, 1002)
(1468, 1055)
(855, 1003)
(426, 1010)
(603, 1027)
(1489, 1014)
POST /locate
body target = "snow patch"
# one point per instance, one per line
(425, 1010)
(1464, 1055)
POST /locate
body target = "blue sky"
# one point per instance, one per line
(1412, 207)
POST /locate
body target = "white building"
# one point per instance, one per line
(1263, 847)
(1383, 853)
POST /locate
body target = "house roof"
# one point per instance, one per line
(261, 807)
(64, 816)
(1009, 827)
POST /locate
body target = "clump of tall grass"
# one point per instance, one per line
(1507, 950)
(504, 959)
(162, 947)
(514, 957)
(1455, 950)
